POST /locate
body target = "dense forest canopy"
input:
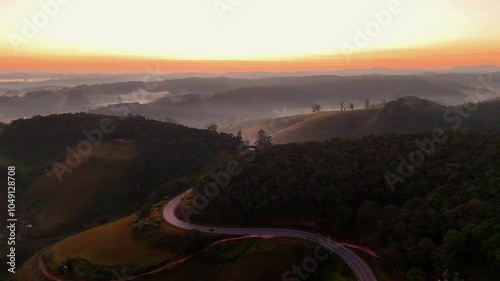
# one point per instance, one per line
(444, 216)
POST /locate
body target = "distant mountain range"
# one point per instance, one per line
(247, 74)
(280, 96)
(198, 101)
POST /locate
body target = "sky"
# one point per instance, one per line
(244, 35)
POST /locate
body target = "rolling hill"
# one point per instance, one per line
(183, 99)
(406, 115)
(276, 97)
(139, 160)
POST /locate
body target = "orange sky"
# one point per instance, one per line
(257, 35)
(435, 58)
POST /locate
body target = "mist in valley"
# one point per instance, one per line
(233, 102)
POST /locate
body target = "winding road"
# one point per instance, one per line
(361, 270)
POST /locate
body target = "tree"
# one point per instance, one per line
(342, 105)
(454, 241)
(263, 140)
(239, 136)
(351, 106)
(367, 216)
(213, 127)
(316, 108)
(144, 211)
(367, 103)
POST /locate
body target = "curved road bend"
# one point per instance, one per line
(360, 268)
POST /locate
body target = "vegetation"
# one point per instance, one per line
(138, 243)
(213, 127)
(60, 208)
(440, 220)
(254, 259)
(367, 103)
(445, 216)
(148, 227)
(406, 115)
(106, 245)
(162, 151)
(115, 179)
(263, 140)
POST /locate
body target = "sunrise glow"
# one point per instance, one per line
(50, 35)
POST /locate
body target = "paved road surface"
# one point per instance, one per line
(360, 268)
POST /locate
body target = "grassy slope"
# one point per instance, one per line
(104, 251)
(110, 244)
(271, 125)
(99, 252)
(54, 206)
(405, 115)
(325, 125)
(317, 126)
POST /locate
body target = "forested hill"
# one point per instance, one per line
(157, 151)
(411, 114)
(40, 139)
(165, 150)
(75, 169)
(445, 215)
